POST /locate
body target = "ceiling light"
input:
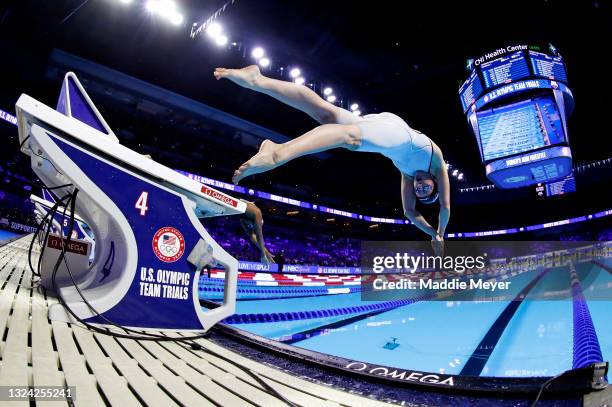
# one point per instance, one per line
(221, 40)
(214, 30)
(166, 7)
(257, 52)
(295, 72)
(176, 19)
(152, 5)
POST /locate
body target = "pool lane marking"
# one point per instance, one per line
(602, 265)
(482, 353)
(310, 333)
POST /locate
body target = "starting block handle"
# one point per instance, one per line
(208, 252)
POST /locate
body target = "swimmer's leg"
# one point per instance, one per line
(297, 96)
(325, 137)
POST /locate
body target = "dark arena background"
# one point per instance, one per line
(127, 276)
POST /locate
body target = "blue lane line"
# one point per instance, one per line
(270, 293)
(483, 351)
(586, 344)
(263, 297)
(309, 333)
(325, 313)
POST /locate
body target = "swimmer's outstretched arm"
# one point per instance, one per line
(410, 211)
(444, 198)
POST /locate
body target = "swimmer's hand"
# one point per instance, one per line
(437, 243)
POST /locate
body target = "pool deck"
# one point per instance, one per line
(125, 372)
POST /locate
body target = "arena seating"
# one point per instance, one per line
(297, 247)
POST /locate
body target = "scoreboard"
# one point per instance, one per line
(519, 127)
(470, 90)
(517, 101)
(561, 187)
(547, 66)
(505, 69)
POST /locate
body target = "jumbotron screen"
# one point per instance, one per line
(548, 66)
(564, 186)
(505, 69)
(470, 90)
(516, 128)
(511, 67)
(561, 187)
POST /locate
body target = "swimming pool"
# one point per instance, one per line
(504, 338)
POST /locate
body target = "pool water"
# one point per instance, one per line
(439, 336)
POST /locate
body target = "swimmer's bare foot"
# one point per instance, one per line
(261, 162)
(245, 77)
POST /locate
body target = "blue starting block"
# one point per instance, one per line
(150, 244)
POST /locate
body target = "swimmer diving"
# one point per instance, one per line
(424, 177)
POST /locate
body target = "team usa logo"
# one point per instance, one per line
(168, 244)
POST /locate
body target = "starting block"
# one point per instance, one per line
(150, 246)
(61, 220)
(78, 253)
